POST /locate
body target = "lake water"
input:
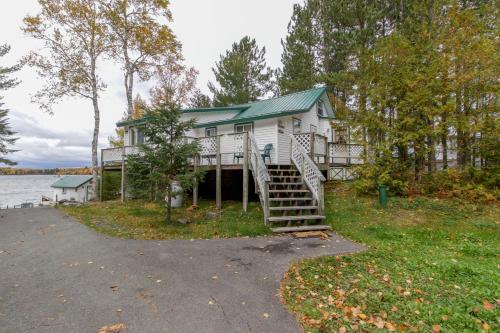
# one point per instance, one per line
(15, 190)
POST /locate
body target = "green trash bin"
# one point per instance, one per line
(382, 195)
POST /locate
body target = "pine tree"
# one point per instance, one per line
(241, 74)
(300, 70)
(6, 134)
(165, 158)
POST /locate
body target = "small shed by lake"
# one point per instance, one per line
(73, 188)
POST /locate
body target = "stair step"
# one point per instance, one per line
(285, 183)
(301, 228)
(285, 176)
(295, 218)
(288, 191)
(292, 208)
(291, 199)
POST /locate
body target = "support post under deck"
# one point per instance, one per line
(245, 172)
(195, 185)
(327, 160)
(122, 184)
(218, 177)
(101, 180)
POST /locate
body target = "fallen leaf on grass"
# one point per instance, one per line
(390, 327)
(314, 322)
(379, 323)
(116, 328)
(342, 329)
(487, 305)
(486, 327)
(436, 328)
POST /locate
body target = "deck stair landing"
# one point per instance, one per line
(291, 204)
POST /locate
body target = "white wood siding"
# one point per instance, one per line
(310, 118)
(266, 131)
(72, 194)
(284, 140)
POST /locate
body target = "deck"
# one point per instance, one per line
(226, 151)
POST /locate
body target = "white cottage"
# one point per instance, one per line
(286, 144)
(73, 188)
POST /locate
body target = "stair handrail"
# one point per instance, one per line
(309, 171)
(260, 173)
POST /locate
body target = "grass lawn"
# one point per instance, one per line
(432, 265)
(141, 220)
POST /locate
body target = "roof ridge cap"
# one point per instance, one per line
(295, 93)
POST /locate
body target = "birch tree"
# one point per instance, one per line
(74, 39)
(141, 37)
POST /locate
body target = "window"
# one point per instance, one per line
(246, 127)
(297, 126)
(321, 108)
(132, 137)
(140, 137)
(313, 129)
(211, 131)
(64, 190)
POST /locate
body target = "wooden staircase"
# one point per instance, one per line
(291, 199)
(291, 204)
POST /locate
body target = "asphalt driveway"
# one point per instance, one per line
(56, 275)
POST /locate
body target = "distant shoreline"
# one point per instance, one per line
(52, 171)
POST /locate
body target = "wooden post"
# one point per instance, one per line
(218, 176)
(195, 185)
(265, 200)
(122, 185)
(101, 182)
(327, 159)
(321, 203)
(245, 172)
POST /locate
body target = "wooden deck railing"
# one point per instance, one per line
(309, 171)
(229, 148)
(345, 153)
(260, 174)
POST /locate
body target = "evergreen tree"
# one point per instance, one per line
(165, 158)
(411, 77)
(6, 134)
(300, 69)
(241, 74)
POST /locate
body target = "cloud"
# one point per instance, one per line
(41, 146)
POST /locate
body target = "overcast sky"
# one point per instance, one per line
(206, 28)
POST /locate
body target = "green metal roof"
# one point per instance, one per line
(71, 181)
(269, 108)
(274, 107)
